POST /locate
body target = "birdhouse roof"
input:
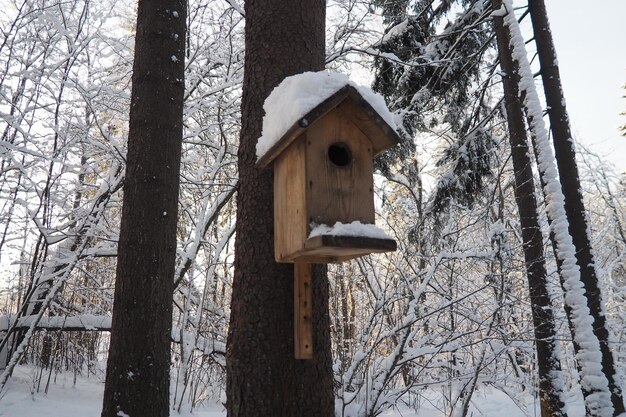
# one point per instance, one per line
(301, 100)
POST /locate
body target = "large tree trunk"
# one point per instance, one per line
(548, 361)
(137, 380)
(263, 378)
(570, 184)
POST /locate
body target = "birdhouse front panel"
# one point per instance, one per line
(338, 172)
(322, 178)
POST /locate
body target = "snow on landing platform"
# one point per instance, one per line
(355, 228)
(297, 95)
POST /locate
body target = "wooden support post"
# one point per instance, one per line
(303, 309)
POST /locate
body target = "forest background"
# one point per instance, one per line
(446, 196)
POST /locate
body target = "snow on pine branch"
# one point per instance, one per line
(589, 356)
(85, 322)
(395, 32)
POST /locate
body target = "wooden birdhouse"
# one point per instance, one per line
(323, 181)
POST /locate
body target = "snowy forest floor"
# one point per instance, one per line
(83, 398)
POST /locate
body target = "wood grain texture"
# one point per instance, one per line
(309, 188)
(366, 119)
(290, 213)
(338, 194)
(303, 311)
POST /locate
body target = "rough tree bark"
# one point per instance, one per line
(263, 378)
(137, 380)
(570, 184)
(548, 361)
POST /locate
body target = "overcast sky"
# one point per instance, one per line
(590, 41)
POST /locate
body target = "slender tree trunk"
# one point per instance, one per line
(570, 184)
(548, 361)
(137, 380)
(263, 378)
(594, 384)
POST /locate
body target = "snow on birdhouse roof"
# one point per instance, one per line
(302, 99)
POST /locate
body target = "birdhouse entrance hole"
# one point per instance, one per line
(339, 154)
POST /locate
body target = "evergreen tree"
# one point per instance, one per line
(431, 84)
(138, 368)
(263, 377)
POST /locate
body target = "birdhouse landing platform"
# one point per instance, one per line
(338, 247)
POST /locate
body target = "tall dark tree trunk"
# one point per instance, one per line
(263, 378)
(137, 380)
(548, 362)
(570, 184)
